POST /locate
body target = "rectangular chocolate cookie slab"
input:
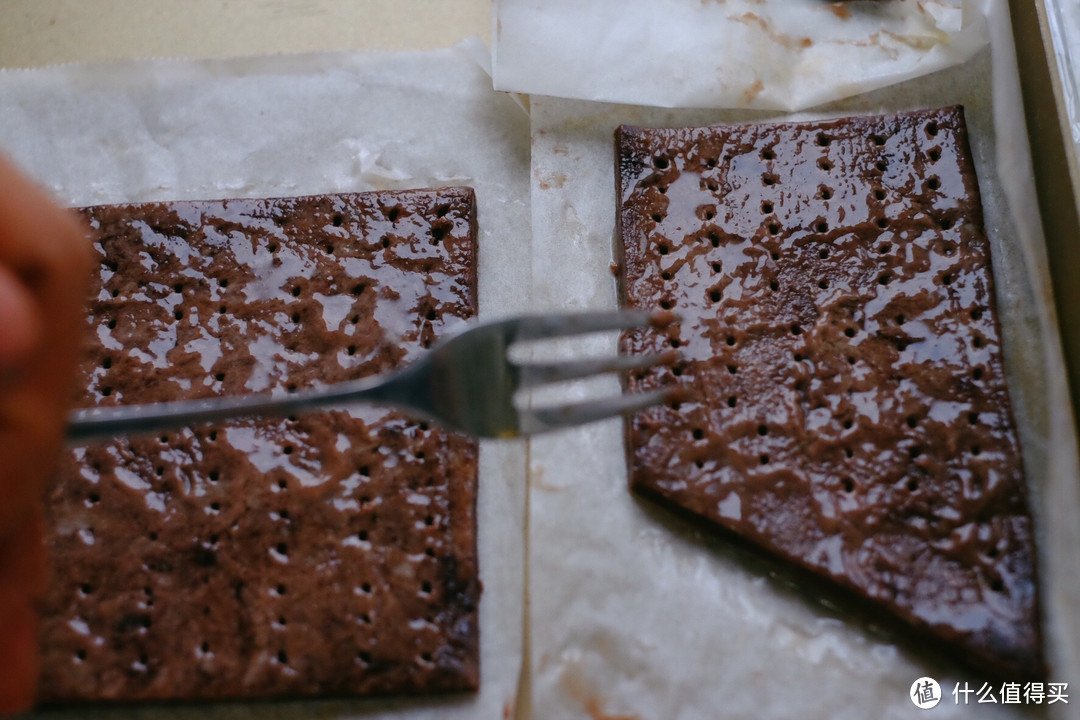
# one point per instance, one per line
(330, 553)
(846, 406)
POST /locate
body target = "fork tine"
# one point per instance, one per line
(536, 420)
(530, 374)
(535, 327)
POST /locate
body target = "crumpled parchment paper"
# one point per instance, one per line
(764, 54)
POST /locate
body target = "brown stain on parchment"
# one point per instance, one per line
(840, 10)
(919, 43)
(536, 480)
(578, 688)
(788, 41)
(751, 92)
(916, 42)
(594, 706)
(555, 181)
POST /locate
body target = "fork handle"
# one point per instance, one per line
(99, 423)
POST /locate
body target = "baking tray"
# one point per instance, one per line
(1057, 171)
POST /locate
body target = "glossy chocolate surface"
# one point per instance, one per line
(332, 553)
(846, 405)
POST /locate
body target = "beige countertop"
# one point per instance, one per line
(44, 32)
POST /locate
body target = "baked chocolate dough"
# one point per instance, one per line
(845, 400)
(332, 553)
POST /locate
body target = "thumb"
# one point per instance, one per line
(22, 578)
(19, 322)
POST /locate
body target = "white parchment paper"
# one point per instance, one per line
(767, 54)
(295, 125)
(636, 614)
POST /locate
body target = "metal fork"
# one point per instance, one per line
(467, 382)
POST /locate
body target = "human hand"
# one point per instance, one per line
(44, 266)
